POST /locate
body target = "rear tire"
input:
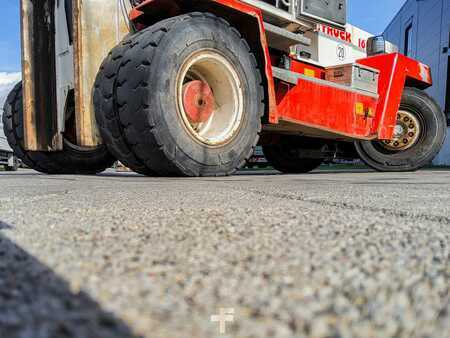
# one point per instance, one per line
(150, 84)
(427, 134)
(288, 154)
(71, 160)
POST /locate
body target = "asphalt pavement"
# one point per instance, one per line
(328, 254)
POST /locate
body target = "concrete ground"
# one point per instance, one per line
(347, 254)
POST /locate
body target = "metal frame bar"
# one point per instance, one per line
(292, 78)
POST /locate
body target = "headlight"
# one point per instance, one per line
(378, 45)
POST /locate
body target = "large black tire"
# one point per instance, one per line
(71, 160)
(110, 127)
(144, 117)
(288, 155)
(433, 126)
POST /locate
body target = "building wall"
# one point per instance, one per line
(430, 22)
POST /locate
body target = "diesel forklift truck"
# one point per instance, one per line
(191, 87)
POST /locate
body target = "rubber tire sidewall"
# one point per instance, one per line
(74, 159)
(419, 154)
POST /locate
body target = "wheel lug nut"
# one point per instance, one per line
(396, 144)
(411, 126)
(411, 134)
(406, 119)
(405, 141)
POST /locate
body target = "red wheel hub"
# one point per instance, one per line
(198, 101)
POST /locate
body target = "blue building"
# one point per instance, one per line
(421, 29)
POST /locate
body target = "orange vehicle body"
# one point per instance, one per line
(317, 105)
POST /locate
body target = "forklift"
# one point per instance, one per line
(191, 87)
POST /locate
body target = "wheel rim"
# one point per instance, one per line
(210, 98)
(406, 132)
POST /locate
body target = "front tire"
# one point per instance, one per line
(420, 133)
(194, 56)
(105, 105)
(71, 160)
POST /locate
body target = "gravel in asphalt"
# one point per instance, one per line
(348, 254)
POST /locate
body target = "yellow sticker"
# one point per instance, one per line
(359, 108)
(310, 72)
